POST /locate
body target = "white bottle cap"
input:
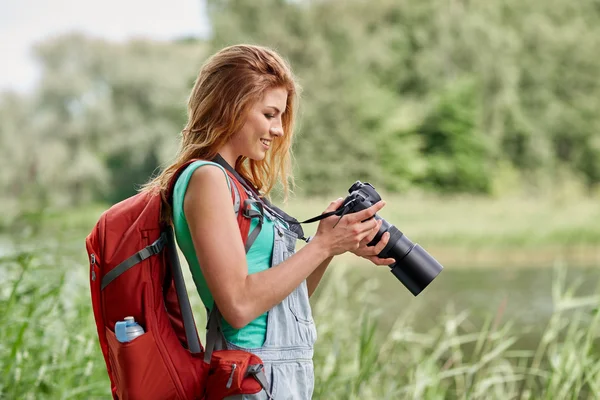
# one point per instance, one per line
(129, 319)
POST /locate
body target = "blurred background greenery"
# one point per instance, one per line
(478, 121)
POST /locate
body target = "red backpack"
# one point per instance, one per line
(135, 271)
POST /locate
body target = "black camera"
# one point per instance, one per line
(414, 267)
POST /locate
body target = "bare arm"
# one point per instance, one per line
(220, 251)
(313, 279)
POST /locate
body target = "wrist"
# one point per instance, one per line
(321, 247)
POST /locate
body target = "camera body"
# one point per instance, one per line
(414, 267)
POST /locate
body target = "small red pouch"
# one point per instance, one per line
(234, 372)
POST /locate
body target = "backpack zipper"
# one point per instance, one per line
(92, 263)
(230, 381)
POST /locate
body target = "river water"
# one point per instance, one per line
(520, 295)
(523, 294)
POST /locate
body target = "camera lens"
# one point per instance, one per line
(414, 267)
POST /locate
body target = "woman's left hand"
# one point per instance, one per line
(370, 253)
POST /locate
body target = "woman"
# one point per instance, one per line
(241, 110)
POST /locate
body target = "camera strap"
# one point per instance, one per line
(294, 224)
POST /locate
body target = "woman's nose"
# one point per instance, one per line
(276, 130)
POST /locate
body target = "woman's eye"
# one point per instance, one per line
(269, 116)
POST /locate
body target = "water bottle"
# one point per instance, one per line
(127, 330)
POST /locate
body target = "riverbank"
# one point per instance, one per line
(459, 231)
(482, 329)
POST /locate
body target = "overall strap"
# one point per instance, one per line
(252, 192)
(215, 339)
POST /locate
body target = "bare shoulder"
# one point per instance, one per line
(209, 184)
(210, 174)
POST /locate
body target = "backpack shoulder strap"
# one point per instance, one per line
(238, 194)
(240, 204)
(189, 325)
(235, 194)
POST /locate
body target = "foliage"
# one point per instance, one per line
(103, 116)
(452, 360)
(450, 97)
(49, 347)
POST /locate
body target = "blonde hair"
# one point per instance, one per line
(227, 86)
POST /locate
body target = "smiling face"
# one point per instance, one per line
(263, 126)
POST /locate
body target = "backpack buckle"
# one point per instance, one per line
(251, 213)
(155, 248)
(158, 245)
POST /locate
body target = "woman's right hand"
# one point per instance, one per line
(338, 236)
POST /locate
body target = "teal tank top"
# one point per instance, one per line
(258, 259)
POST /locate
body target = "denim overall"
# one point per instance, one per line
(288, 348)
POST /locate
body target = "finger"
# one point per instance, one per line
(366, 252)
(373, 233)
(381, 261)
(334, 205)
(368, 212)
(378, 248)
(366, 228)
(363, 252)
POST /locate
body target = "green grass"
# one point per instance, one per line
(457, 221)
(455, 359)
(49, 347)
(483, 222)
(475, 232)
(462, 222)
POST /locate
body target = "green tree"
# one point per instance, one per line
(116, 108)
(438, 95)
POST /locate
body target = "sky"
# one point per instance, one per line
(25, 22)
